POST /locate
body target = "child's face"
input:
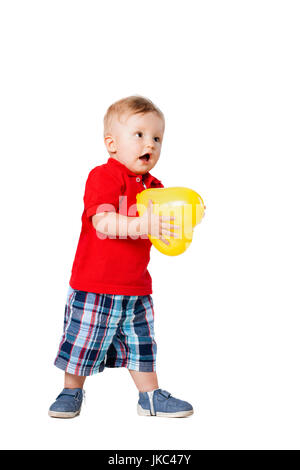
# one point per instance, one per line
(136, 135)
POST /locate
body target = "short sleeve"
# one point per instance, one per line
(102, 192)
(155, 183)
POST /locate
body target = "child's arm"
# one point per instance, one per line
(113, 224)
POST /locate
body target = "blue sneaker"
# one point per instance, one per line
(67, 404)
(161, 403)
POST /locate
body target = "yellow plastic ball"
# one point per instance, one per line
(184, 204)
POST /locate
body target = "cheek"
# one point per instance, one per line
(128, 146)
(138, 144)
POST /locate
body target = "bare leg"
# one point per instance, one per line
(144, 381)
(74, 381)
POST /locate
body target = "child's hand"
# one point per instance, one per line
(158, 225)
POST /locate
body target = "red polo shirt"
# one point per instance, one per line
(112, 265)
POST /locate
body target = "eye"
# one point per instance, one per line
(139, 134)
(157, 139)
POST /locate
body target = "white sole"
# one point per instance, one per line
(178, 414)
(63, 414)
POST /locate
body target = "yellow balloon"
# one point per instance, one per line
(184, 204)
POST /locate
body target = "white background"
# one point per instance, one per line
(226, 75)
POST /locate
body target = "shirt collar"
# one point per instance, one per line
(147, 177)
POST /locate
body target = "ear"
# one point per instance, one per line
(110, 144)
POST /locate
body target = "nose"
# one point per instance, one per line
(150, 144)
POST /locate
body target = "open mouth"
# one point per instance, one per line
(145, 157)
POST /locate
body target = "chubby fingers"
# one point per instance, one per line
(164, 240)
(169, 233)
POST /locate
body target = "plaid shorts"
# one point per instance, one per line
(107, 330)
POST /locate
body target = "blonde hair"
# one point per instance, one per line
(135, 104)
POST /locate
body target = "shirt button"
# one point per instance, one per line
(138, 180)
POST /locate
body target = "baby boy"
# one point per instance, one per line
(109, 316)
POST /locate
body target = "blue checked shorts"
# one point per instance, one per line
(107, 330)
